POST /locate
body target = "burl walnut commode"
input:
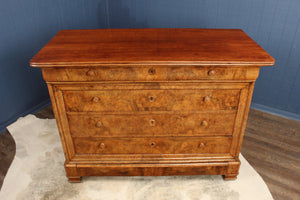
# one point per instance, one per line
(151, 102)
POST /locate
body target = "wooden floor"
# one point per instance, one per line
(271, 145)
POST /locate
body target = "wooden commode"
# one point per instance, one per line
(151, 102)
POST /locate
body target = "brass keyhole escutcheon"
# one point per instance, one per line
(102, 146)
(96, 99)
(99, 124)
(152, 122)
(201, 145)
(207, 99)
(151, 98)
(204, 123)
(151, 71)
(211, 72)
(91, 73)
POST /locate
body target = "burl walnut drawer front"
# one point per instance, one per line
(149, 73)
(170, 145)
(136, 125)
(151, 100)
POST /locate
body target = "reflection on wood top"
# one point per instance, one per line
(151, 46)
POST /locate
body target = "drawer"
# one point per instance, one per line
(108, 125)
(151, 100)
(150, 73)
(154, 145)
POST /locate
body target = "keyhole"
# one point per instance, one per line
(96, 99)
(151, 71)
(151, 98)
(152, 122)
(152, 144)
(102, 146)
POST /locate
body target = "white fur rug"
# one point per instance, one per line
(37, 173)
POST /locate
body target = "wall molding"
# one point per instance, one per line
(31, 110)
(275, 111)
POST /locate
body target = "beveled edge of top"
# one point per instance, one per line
(179, 63)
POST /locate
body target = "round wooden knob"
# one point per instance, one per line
(102, 146)
(91, 73)
(151, 71)
(211, 72)
(151, 98)
(96, 99)
(152, 144)
(201, 145)
(206, 99)
(204, 123)
(152, 122)
(99, 124)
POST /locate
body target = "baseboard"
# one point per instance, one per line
(32, 110)
(275, 111)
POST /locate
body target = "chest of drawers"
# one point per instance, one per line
(151, 102)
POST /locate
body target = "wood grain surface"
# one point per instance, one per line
(150, 100)
(141, 123)
(151, 73)
(272, 147)
(151, 46)
(152, 124)
(269, 142)
(153, 145)
(114, 91)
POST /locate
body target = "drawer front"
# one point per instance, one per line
(150, 73)
(151, 100)
(108, 125)
(172, 145)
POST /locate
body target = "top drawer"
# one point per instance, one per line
(150, 73)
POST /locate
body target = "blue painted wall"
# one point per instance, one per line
(26, 26)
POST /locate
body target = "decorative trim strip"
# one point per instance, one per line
(31, 110)
(275, 111)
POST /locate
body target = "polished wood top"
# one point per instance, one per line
(151, 46)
